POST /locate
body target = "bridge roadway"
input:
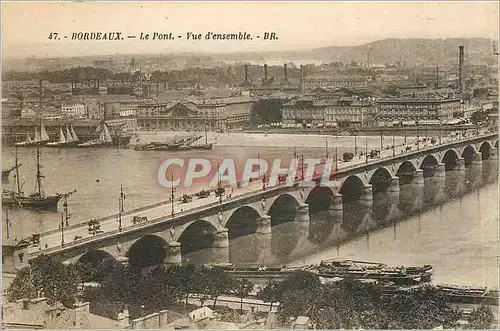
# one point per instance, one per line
(50, 241)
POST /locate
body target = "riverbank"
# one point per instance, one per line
(285, 140)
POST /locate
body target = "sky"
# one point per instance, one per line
(26, 26)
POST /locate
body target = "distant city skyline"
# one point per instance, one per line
(299, 26)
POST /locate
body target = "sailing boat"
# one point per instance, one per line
(37, 199)
(206, 145)
(73, 135)
(6, 172)
(27, 142)
(61, 142)
(104, 138)
(41, 137)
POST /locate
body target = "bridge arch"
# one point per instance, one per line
(406, 172)
(284, 233)
(197, 235)
(319, 199)
(450, 159)
(429, 165)
(380, 180)
(352, 188)
(283, 209)
(242, 226)
(149, 250)
(486, 149)
(468, 154)
(94, 257)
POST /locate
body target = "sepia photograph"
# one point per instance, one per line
(250, 165)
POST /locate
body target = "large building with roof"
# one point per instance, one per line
(196, 114)
(311, 83)
(344, 113)
(435, 109)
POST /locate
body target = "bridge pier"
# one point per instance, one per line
(478, 158)
(263, 239)
(122, 260)
(418, 178)
(393, 185)
(173, 254)
(303, 214)
(440, 183)
(336, 208)
(221, 246)
(393, 206)
(441, 170)
(476, 170)
(418, 189)
(366, 198)
(494, 154)
(460, 166)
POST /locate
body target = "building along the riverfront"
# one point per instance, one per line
(416, 109)
(311, 83)
(344, 112)
(222, 113)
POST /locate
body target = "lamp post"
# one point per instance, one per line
(366, 151)
(62, 229)
(65, 205)
(119, 215)
(122, 197)
(326, 149)
(219, 185)
(7, 222)
(418, 136)
(393, 147)
(381, 140)
(336, 159)
(302, 167)
(172, 193)
(355, 145)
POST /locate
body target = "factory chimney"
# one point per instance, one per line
(40, 95)
(437, 77)
(246, 82)
(460, 68)
(265, 75)
(285, 72)
(301, 78)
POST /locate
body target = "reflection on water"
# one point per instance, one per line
(450, 223)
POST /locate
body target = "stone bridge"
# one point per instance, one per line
(217, 228)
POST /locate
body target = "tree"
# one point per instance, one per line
(57, 282)
(481, 318)
(297, 281)
(269, 293)
(218, 283)
(23, 285)
(242, 288)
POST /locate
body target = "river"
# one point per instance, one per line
(459, 237)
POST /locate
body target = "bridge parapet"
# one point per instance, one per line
(161, 225)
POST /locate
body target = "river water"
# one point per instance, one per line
(458, 237)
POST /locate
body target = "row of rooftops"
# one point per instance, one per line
(368, 101)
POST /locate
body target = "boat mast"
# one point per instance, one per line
(39, 175)
(206, 140)
(17, 176)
